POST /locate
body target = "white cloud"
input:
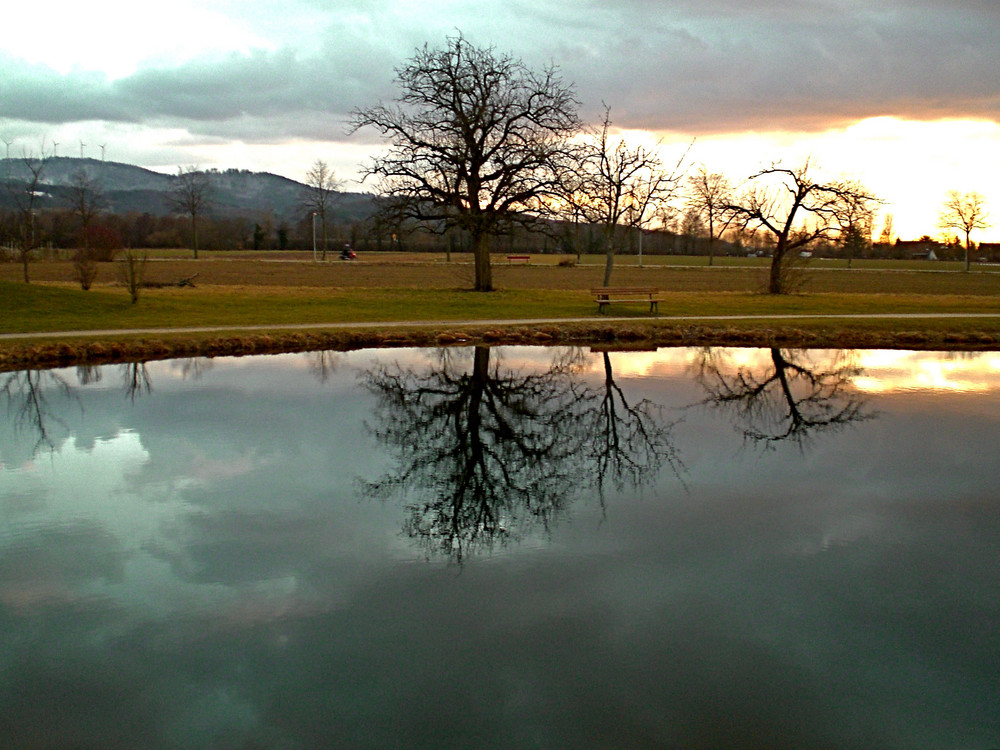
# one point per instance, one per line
(117, 37)
(754, 81)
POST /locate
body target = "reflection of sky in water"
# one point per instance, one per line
(884, 370)
(196, 568)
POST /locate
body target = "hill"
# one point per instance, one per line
(132, 189)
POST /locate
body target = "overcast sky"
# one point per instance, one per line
(903, 94)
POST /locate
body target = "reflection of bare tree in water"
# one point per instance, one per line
(493, 453)
(28, 405)
(135, 379)
(628, 442)
(323, 364)
(89, 374)
(195, 367)
(791, 399)
(489, 446)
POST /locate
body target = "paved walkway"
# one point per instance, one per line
(454, 323)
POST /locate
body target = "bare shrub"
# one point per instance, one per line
(131, 270)
(85, 268)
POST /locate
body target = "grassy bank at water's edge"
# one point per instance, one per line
(40, 308)
(263, 295)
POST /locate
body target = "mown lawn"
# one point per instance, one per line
(42, 307)
(244, 289)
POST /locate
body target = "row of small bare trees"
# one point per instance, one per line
(86, 201)
(479, 141)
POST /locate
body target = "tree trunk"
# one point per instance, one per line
(775, 282)
(481, 253)
(609, 262)
(194, 234)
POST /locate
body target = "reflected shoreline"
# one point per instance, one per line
(643, 333)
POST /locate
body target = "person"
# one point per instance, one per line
(347, 253)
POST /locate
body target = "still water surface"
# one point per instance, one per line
(516, 547)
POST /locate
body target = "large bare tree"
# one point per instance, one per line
(616, 185)
(476, 141)
(190, 194)
(796, 210)
(965, 212)
(322, 188)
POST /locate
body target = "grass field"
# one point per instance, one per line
(284, 289)
(432, 271)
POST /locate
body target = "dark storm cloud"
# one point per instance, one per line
(40, 94)
(701, 67)
(258, 97)
(731, 66)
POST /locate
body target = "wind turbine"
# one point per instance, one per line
(7, 144)
(55, 148)
(102, 150)
(82, 144)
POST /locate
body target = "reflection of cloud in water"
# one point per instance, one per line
(882, 371)
(890, 371)
(178, 585)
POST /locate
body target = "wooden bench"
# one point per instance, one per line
(518, 259)
(609, 295)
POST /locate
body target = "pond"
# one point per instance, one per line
(509, 547)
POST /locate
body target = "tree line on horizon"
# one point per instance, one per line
(485, 153)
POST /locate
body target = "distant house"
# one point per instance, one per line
(918, 249)
(989, 252)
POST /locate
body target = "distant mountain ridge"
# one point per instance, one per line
(132, 189)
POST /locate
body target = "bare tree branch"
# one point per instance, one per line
(322, 188)
(190, 194)
(477, 141)
(965, 212)
(614, 185)
(796, 210)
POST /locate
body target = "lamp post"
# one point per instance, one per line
(314, 236)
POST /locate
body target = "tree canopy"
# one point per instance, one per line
(797, 209)
(614, 184)
(965, 212)
(477, 140)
